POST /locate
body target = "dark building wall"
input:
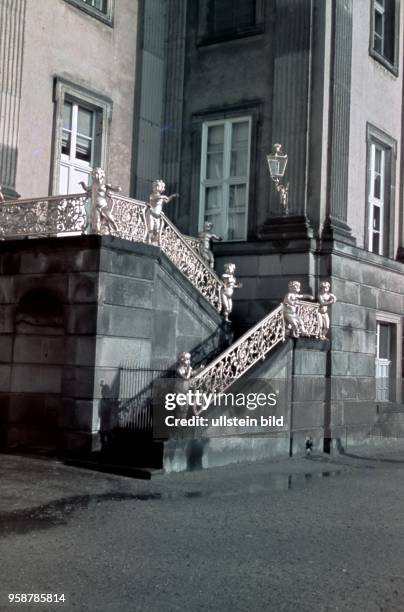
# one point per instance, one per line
(220, 80)
(276, 73)
(117, 301)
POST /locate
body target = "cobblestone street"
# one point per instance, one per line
(308, 534)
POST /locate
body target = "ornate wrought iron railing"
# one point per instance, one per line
(254, 345)
(39, 217)
(129, 216)
(62, 215)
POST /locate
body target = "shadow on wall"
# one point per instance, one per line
(36, 370)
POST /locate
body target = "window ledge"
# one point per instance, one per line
(90, 10)
(393, 68)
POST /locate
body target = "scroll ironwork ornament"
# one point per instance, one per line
(110, 214)
(250, 348)
(254, 346)
(229, 285)
(154, 220)
(41, 217)
(325, 299)
(100, 201)
(205, 239)
(297, 316)
(130, 217)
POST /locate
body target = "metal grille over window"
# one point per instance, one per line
(384, 332)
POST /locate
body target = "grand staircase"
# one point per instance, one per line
(69, 215)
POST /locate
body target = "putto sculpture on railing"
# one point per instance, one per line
(295, 316)
(235, 361)
(205, 239)
(229, 285)
(110, 213)
(100, 198)
(153, 216)
(185, 369)
(325, 299)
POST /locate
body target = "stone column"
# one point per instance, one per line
(12, 21)
(293, 40)
(174, 95)
(291, 92)
(336, 225)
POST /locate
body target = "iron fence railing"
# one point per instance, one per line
(71, 214)
(138, 386)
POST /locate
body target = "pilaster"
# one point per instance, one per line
(12, 18)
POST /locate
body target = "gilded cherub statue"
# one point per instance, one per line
(325, 299)
(100, 192)
(205, 238)
(153, 219)
(294, 323)
(185, 370)
(229, 285)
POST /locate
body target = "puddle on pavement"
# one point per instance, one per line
(57, 513)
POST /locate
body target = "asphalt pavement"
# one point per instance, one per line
(322, 533)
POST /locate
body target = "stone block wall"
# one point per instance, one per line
(369, 288)
(296, 370)
(112, 301)
(264, 274)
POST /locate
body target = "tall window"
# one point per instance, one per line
(385, 31)
(380, 193)
(225, 167)
(385, 336)
(81, 135)
(377, 199)
(78, 146)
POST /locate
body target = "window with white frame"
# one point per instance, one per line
(384, 31)
(380, 209)
(225, 169)
(388, 359)
(81, 135)
(78, 151)
(377, 201)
